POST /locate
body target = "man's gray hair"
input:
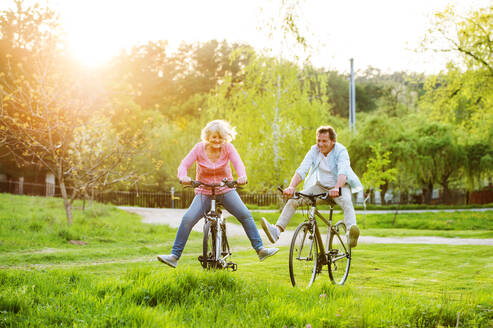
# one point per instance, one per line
(328, 129)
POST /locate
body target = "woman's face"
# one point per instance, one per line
(215, 140)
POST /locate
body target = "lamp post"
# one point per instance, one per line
(352, 100)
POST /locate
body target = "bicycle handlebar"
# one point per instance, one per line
(224, 182)
(323, 195)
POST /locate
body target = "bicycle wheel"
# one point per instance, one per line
(225, 251)
(339, 254)
(209, 246)
(303, 257)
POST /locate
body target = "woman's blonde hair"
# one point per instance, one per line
(226, 131)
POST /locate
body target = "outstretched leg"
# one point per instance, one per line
(200, 205)
(233, 203)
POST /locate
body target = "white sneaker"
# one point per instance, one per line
(271, 230)
(353, 236)
(170, 260)
(266, 252)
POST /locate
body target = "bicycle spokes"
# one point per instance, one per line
(339, 254)
(303, 257)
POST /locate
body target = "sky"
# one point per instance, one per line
(381, 33)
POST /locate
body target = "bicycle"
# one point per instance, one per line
(216, 248)
(307, 253)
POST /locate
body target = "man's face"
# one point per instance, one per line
(324, 143)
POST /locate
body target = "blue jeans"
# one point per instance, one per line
(201, 204)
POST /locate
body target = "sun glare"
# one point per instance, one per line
(90, 52)
(99, 30)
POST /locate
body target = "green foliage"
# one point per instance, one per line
(154, 102)
(469, 36)
(275, 118)
(463, 97)
(378, 172)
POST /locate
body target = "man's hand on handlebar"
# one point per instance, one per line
(288, 192)
(334, 192)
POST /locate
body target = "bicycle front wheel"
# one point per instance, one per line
(303, 257)
(209, 247)
(225, 244)
(339, 254)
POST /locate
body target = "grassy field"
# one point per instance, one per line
(112, 279)
(444, 224)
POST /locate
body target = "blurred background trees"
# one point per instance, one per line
(127, 125)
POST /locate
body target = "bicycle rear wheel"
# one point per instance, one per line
(339, 254)
(303, 257)
(225, 250)
(209, 246)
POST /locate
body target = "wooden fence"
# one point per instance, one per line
(164, 199)
(183, 198)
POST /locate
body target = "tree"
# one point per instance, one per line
(103, 154)
(462, 94)
(46, 103)
(468, 36)
(478, 164)
(379, 132)
(39, 113)
(438, 156)
(275, 116)
(27, 27)
(379, 174)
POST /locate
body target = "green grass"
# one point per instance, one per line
(115, 280)
(387, 207)
(444, 223)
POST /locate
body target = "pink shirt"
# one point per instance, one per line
(209, 172)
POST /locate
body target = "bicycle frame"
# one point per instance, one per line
(215, 227)
(312, 220)
(335, 254)
(217, 220)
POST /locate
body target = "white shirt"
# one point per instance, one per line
(326, 177)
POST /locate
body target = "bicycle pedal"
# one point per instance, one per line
(202, 261)
(232, 266)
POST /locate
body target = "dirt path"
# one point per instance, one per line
(172, 217)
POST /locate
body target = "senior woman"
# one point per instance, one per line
(213, 155)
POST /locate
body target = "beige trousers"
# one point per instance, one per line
(344, 201)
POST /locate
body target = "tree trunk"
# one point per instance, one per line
(383, 190)
(382, 197)
(428, 193)
(446, 194)
(404, 197)
(66, 203)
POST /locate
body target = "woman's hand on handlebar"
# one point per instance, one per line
(242, 180)
(186, 180)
